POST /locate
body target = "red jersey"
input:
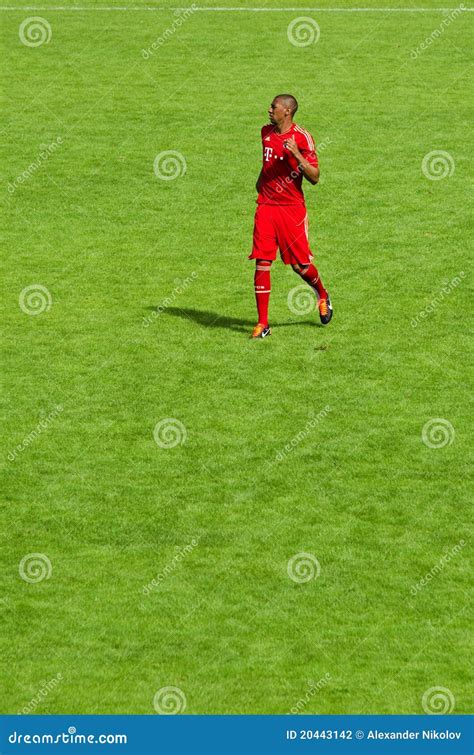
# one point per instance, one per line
(281, 179)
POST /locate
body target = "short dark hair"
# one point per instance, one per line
(290, 102)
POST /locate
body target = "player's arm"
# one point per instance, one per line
(263, 131)
(309, 171)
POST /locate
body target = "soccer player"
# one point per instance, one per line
(281, 219)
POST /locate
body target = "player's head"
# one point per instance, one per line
(283, 106)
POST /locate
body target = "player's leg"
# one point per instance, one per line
(295, 251)
(263, 252)
(262, 282)
(309, 273)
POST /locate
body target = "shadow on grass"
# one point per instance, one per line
(215, 320)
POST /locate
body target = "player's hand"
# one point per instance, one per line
(292, 146)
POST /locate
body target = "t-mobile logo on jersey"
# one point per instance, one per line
(268, 153)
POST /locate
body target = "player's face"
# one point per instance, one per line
(277, 112)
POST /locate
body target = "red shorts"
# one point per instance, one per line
(284, 227)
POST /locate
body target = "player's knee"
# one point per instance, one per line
(263, 263)
(300, 269)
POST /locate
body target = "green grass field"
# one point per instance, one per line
(308, 442)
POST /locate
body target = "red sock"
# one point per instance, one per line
(262, 289)
(311, 276)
